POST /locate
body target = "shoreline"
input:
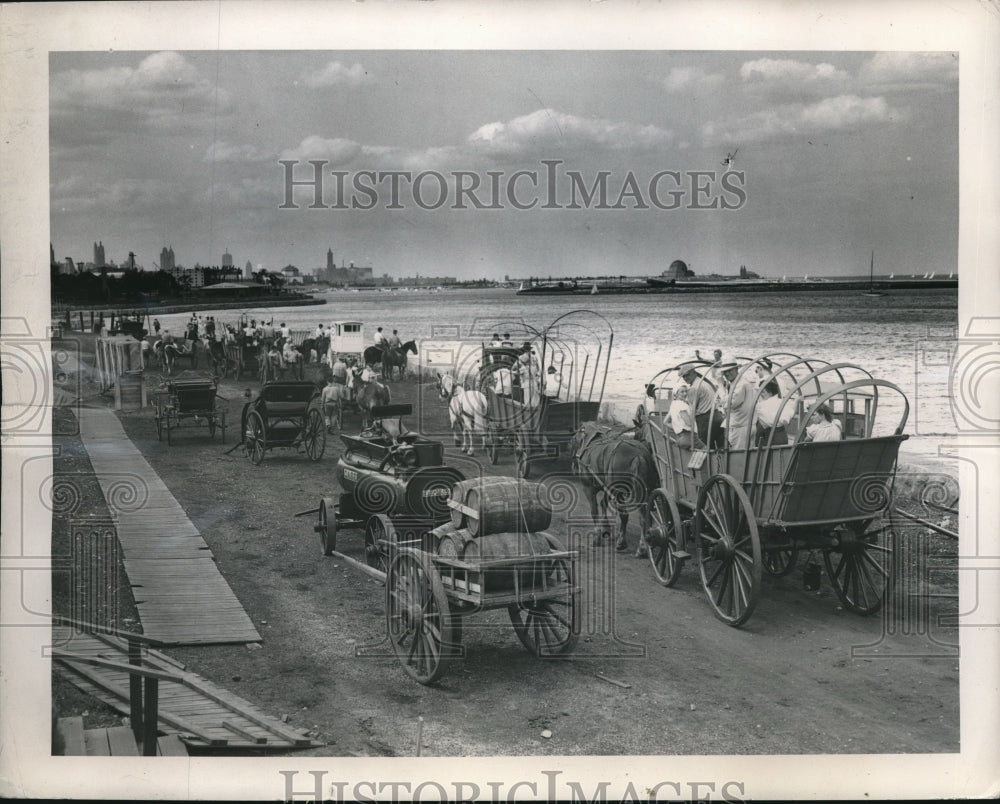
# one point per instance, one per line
(658, 286)
(60, 310)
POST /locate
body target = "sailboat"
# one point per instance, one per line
(593, 289)
(871, 279)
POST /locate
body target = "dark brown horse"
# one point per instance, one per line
(396, 357)
(369, 391)
(617, 472)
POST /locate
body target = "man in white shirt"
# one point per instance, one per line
(739, 401)
(380, 339)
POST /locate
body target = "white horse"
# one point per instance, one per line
(466, 410)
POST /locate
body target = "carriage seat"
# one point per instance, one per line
(286, 398)
(194, 395)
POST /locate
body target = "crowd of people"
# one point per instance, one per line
(725, 406)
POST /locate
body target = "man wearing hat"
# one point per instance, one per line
(701, 398)
(740, 398)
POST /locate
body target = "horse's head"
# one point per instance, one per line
(411, 347)
(445, 385)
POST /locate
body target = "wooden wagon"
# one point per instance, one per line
(556, 384)
(742, 512)
(190, 401)
(436, 542)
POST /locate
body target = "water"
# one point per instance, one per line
(887, 335)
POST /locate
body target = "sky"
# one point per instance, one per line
(837, 154)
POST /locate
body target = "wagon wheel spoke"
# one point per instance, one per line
(662, 549)
(860, 569)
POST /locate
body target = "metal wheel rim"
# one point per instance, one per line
(327, 529)
(853, 571)
(728, 546)
(666, 566)
(378, 527)
(549, 628)
(418, 617)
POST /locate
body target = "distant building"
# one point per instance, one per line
(677, 270)
(67, 267)
(248, 270)
(745, 274)
(99, 261)
(188, 277)
(167, 262)
(227, 260)
(292, 275)
(424, 281)
(346, 274)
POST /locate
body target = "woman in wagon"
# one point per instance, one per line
(772, 415)
(681, 419)
(822, 426)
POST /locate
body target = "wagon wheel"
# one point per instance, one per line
(860, 568)
(255, 443)
(781, 561)
(728, 546)
(664, 538)
(314, 438)
(549, 627)
(418, 619)
(379, 527)
(326, 526)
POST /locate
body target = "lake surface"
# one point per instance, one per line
(889, 335)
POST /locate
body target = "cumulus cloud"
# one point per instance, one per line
(334, 73)
(784, 71)
(336, 151)
(911, 69)
(830, 114)
(163, 84)
(550, 127)
(694, 79)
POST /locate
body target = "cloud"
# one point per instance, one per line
(75, 194)
(163, 84)
(830, 114)
(230, 152)
(786, 71)
(695, 79)
(335, 151)
(913, 70)
(549, 128)
(336, 74)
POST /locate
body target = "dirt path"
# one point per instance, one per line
(786, 682)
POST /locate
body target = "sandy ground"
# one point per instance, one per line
(802, 676)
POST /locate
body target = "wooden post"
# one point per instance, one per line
(150, 717)
(91, 320)
(135, 690)
(81, 320)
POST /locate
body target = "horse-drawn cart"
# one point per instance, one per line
(190, 401)
(556, 383)
(283, 415)
(438, 544)
(742, 512)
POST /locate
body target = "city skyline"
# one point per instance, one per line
(835, 154)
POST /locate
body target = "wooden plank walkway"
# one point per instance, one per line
(201, 713)
(181, 596)
(117, 741)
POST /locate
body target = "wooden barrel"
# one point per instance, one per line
(501, 504)
(508, 545)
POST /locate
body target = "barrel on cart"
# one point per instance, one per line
(447, 547)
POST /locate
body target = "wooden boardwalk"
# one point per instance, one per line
(200, 713)
(181, 596)
(114, 742)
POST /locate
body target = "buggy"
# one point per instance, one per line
(283, 415)
(190, 401)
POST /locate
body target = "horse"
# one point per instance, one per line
(619, 469)
(167, 353)
(373, 355)
(368, 393)
(466, 410)
(312, 348)
(395, 356)
(217, 355)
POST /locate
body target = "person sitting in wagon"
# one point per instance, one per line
(681, 419)
(770, 417)
(822, 426)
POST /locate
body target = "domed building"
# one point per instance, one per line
(678, 270)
